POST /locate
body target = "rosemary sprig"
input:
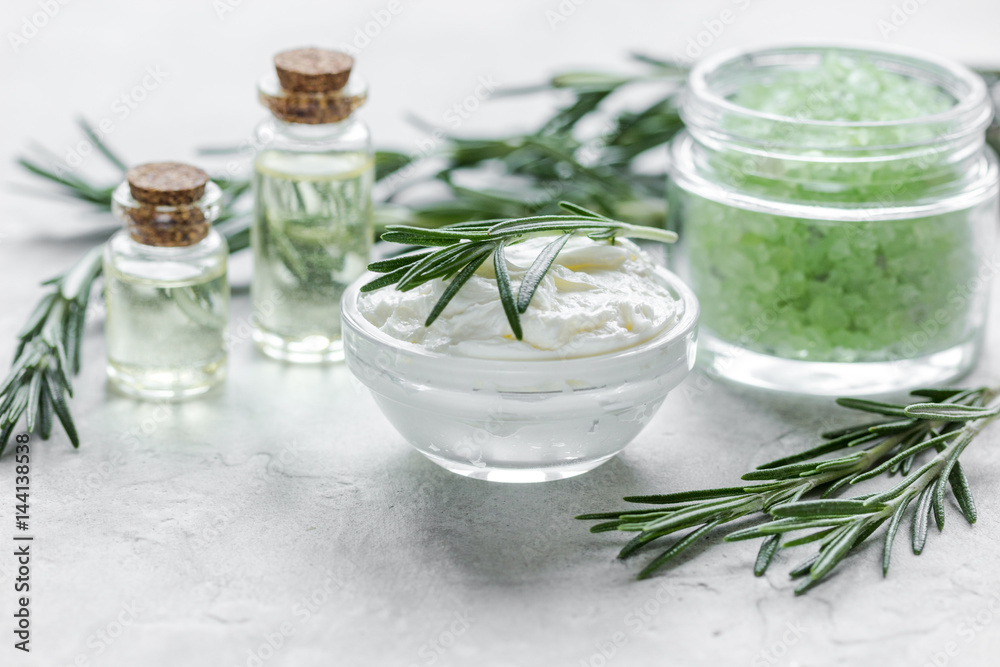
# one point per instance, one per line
(795, 494)
(582, 152)
(462, 248)
(48, 355)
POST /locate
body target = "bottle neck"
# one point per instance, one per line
(310, 133)
(318, 108)
(348, 134)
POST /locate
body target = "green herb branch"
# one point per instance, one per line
(48, 355)
(795, 494)
(458, 250)
(586, 151)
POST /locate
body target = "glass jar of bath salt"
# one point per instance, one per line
(165, 286)
(312, 229)
(838, 212)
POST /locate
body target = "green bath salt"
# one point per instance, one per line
(835, 206)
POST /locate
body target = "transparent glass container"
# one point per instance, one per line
(834, 257)
(508, 420)
(167, 307)
(312, 230)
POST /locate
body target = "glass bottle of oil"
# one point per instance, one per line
(312, 228)
(166, 291)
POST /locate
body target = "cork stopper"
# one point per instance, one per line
(313, 86)
(165, 208)
(166, 183)
(313, 70)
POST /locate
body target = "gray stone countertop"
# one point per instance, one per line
(282, 521)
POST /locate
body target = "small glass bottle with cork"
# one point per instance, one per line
(312, 228)
(166, 291)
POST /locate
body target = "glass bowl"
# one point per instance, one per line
(520, 421)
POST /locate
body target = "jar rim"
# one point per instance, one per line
(971, 112)
(685, 174)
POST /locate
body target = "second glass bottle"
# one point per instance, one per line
(312, 229)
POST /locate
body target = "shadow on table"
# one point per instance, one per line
(505, 532)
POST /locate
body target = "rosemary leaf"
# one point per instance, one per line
(808, 539)
(963, 494)
(55, 394)
(860, 429)
(949, 412)
(456, 284)
(821, 508)
(394, 263)
(686, 496)
(386, 279)
(890, 535)
(936, 395)
(873, 406)
(920, 519)
(768, 548)
(506, 294)
(677, 549)
(537, 271)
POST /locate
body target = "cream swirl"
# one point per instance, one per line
(596, 298)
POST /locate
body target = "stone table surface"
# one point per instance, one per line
(282, 521)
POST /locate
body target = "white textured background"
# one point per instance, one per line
(285, 511)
